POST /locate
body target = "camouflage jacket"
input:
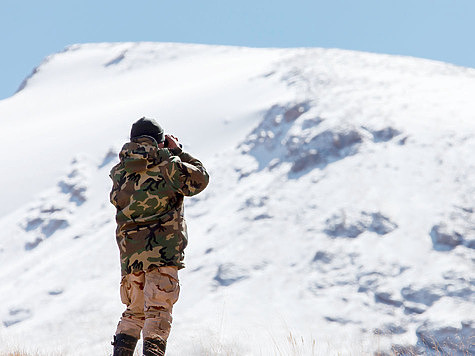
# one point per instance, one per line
(149, 184)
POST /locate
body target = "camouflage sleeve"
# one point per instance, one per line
(187, 174)
(117, 181)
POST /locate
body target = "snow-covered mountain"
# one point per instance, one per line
(339, 217)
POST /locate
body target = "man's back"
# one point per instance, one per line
(149, 184)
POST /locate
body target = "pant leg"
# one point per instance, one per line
(161, 292)
(131, 294)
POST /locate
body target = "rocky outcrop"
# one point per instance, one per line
(441, 339)
(53, 214)
(343, 224)
(458, 228)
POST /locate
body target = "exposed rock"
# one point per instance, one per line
(272, 141)
(385, 134)
(469, 242)
(306, 160)
(75, 189)
(33, 223)
(116, 60)
(335, 143)
(368, 281)
(458, 228)
(295, 111)
(254, 202)
(390, 329)
(262, 216)
(45, 224)
(443, 238)
(16, 315)
(381, 224)
(55, 292)
(340, 225)
(229, 273)
(30, 245)
(53, 225)
(274, 126)
(426, 295)
(414, 308)
(287, 135)
(459, 285)
(322, 148)
(338, 320)
(110, 156)
(343, 225)
(402, 141)
(439, 339)
(50, 209)
(322, 257)
(54, 213)
(35, 71)
(74, 183)
(387, 298)
(311, 123)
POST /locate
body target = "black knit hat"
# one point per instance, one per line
(149, 127)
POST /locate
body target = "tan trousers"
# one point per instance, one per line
(149, 297)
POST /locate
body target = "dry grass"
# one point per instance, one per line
(17, 351)
(292, 346)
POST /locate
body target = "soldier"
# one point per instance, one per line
(149, 184)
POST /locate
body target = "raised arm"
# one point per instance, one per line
(186, 173)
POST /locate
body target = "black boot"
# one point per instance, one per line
(154, 347)
(124, 345)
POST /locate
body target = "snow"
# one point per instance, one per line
(339, 217)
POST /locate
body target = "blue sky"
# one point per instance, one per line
(436, 29)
